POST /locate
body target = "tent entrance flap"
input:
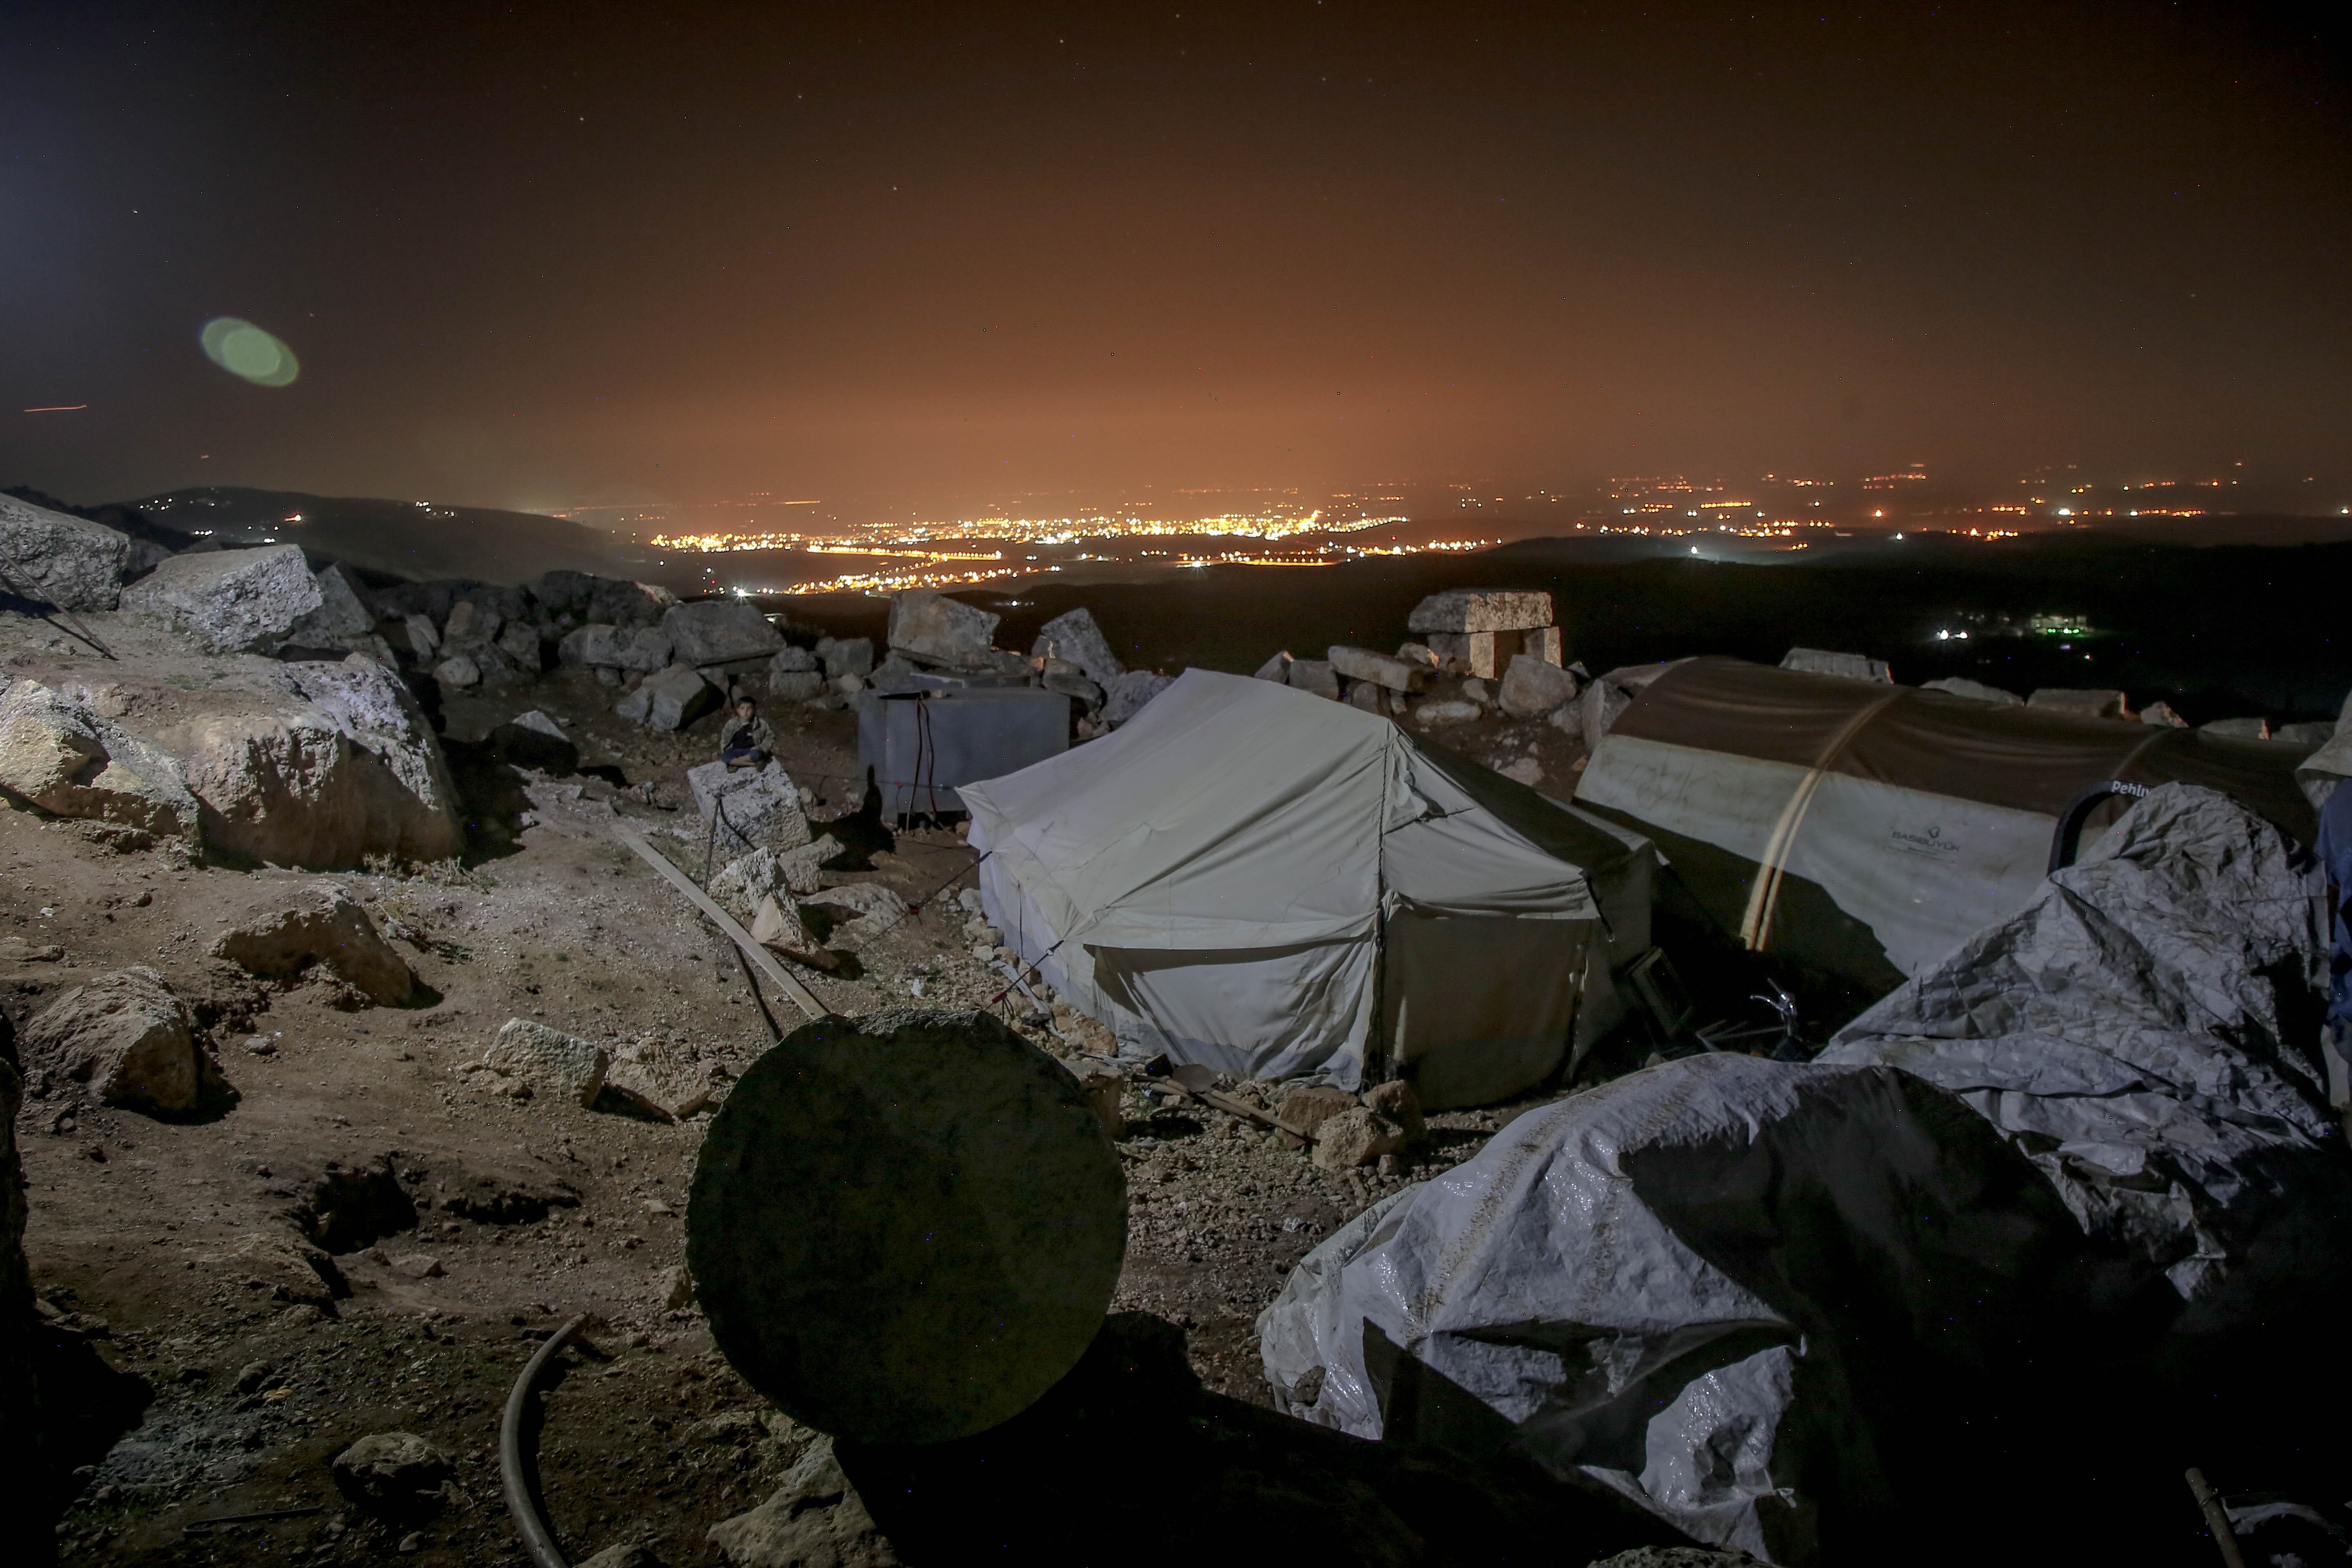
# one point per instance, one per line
(1472, 1044)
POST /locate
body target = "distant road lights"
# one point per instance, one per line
(243, 350)
(2065, 512)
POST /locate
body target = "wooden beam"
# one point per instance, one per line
(759, 956)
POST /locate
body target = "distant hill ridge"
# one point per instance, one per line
(417, 541)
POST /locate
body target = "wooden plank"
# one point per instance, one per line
(758, 956)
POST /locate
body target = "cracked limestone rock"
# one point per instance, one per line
(845, 656)
(717, 631)
(1357, 1136)
(657, 1078)
(671, 700)
(70, 562)
(564, 1066)
(1074, 636)
(337, 766)
(816, 1519)
(875, 908)
(940, 631)
(57, 754)
(642, 648)
(230, 600)
(1532, 687)
(1463, 610)
(1315, 675)
(340, 617)
(1126, 696)
(1361, 664)
(742, 882)
(330, 928)
(126, 1036)
(754, 808)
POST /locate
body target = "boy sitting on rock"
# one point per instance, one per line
(745, 741)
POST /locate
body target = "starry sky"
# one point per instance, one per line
(929, 256)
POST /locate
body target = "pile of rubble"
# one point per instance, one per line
(1481, 652)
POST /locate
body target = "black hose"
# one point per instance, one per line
(514, 1476)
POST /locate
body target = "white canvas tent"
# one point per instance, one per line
(1258, 880)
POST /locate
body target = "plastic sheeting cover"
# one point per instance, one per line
(1645, 1280)
(2143, 1029)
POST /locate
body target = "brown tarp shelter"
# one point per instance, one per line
(1867, 829)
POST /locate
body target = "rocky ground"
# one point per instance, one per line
(369, 1239)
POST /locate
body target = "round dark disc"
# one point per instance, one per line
(906, 1228)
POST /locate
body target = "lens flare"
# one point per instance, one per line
(243, 350)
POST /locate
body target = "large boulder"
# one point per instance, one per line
(1126, 696)
(57, 754)
(589, 646)
(520, 643)
(341, 766)
(329, 928)
(1315, 675)
(1532, 687)
(549, 1061)
(472, 623)
(630, 603)
(128, 1038)
(816, 1519)
(63, 560)
(845, 656)
(716, 631)
(230, 599)
(1461, 610)
(669, 700)
(645, 649)
(1074, 636)
(341, 617)
(754, 808)
(1362, 664)
(940, 631)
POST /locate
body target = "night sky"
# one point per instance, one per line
(541, 255)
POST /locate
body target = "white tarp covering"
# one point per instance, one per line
(1261, 881)
(1644, 1278)
(2145, 1028)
